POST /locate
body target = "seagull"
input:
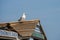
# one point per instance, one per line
(23, 17)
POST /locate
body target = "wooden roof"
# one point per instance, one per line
(24, 28)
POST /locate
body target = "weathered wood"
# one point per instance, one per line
(24, 28)
(3, 24)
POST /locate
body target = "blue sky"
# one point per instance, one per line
(48, 11)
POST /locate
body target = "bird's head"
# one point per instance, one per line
(24, 16)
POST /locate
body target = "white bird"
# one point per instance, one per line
(23, 17)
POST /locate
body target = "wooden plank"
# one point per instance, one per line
(18, 22)
(3, 25)
(26, 30)
(26, 33)
(18, 27)
(23, 26)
